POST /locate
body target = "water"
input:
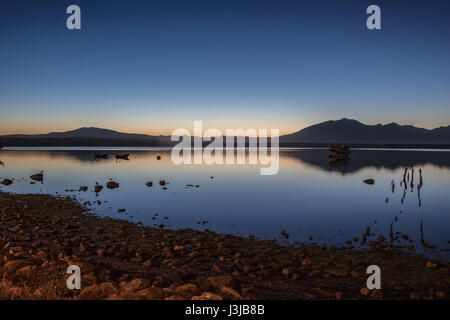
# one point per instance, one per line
(307, 198)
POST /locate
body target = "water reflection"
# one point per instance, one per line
(308, 199)
(388, 159)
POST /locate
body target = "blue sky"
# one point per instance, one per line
(153, 66)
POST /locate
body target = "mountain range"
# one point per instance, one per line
(334, 131)
(351, 131)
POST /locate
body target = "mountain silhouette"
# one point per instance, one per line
(86, 136)
(345, 130)
(351, 131)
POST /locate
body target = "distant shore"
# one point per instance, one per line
(43, 234)
(126, 143)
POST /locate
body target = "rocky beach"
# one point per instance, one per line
(41, 235)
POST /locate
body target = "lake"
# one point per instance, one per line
(309, 199)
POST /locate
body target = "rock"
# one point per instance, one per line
(98, 292)
(108, 288)
(38, 176)
(152, 263)
(121, 210)
(187, 290)
(207, 296)
(88, 280)
(7, 182)
(149, 184)
(369, 181)
(307, 261)
(38, 293)
(25, 271)
(230, 293)
(83, 188)
(112, 185)
(286, 272)
(162, 183)
(114, 297)
(14, 265)
(154, 293)
(98, 188)
(284, 234)
(8, 289)
(339, 295)
(221, 281)
(337, 273)
(128, 288)
(377, 294)
(175, 297)
(364, 291)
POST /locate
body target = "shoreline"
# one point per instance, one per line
(41, 235)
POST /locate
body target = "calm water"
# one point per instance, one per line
(307, 198)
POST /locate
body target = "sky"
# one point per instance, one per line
(154, 66)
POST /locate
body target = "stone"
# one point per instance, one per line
(128, 288)
(221, 281)
(339, 295)
(230, 293)
(7, 182)
(14, 265)
(8, 289)
(364, 291)
(187, 290)
(286, 272)
(207, 296)
(337, 273)
(175, 297)
(25, 271)
(37, 177)
(93, 292)
(112, 185)
(377, 294)
(154, 293)
(307, 261)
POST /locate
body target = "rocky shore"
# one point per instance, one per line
(41, 235)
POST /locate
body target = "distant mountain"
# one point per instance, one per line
(84, 132)
(85, 137)
(352, 131)
(339, 131)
